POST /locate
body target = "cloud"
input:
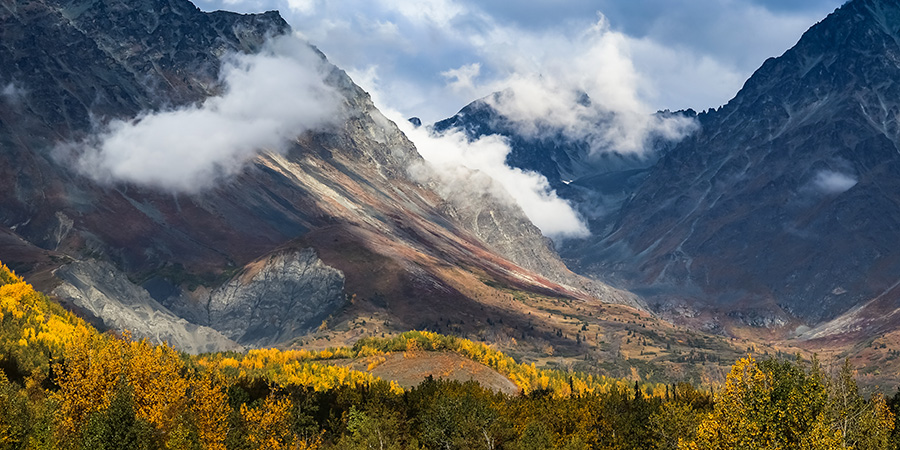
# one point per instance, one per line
(462, 79)
(547, 72)
(468, 169)
(831, 182)
(686, 53)
(587, 87)
(268, 99)
(459, 164)
(12, 93)
(302, 6)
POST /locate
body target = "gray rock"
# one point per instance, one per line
(502, 225)
(277, 299)
(108, 294)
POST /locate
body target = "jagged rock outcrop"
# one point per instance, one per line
(107, 294)
(276, 299)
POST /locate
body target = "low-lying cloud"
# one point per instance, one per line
(831, 182)
(455, 158)
(584, 86)
(12, 93)
(268, 99)
(467, 169)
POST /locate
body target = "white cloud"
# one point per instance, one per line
(432, 12)
(455, 158)
(268, 99)
(306, 7)
(686, 53)
(13, 93)
(467, 169)
(831, 182)
(550, 75)
(463, 78)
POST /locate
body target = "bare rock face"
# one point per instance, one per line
(277, 299)
(106, 293)
(503, 226)
(273, 300)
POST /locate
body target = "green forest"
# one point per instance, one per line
(64, 385)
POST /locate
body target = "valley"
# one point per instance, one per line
(214, 238)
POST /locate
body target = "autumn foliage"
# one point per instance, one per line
(64, 385)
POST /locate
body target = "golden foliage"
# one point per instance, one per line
(154, 372)
(269, 426)
(209, 405)
(783, 406)
(87, 380)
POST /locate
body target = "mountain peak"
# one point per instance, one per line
(782, 204)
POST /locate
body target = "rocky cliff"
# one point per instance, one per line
(276, 299)
(103, 291)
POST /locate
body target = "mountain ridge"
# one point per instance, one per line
(340, 196)
(775, 215)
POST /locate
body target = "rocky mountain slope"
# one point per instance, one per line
(778, 213)
(597, 182)
(785, 202)
(332, 225)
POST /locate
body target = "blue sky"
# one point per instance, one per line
(683, 53)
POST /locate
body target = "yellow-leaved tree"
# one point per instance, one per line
(209, 404)
(777, 405)
(269, 426)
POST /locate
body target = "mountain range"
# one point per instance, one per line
(774, 218)
(332, 223)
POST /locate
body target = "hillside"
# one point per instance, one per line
(179, 235)
(64, 385)
(773, 221)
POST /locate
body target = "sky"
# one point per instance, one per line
(429, 58)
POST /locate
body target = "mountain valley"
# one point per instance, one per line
(730, 229)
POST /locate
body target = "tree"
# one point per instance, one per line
(87, 379)
(209, 406)
(14, 417)
(863, 425)
(776, 405)
(373, 430)
(117, 427)
(535, 436)
(269, 426)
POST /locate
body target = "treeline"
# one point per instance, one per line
(63, 385)
(283, 366)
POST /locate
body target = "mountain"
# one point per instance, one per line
(596, 182)
(332, 229)
(782, 207)
(779, 212)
